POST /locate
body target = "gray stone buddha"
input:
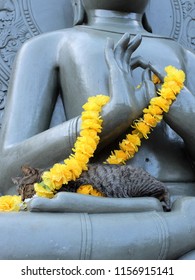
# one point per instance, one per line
(82, 62)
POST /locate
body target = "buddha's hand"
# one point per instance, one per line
(126, 97)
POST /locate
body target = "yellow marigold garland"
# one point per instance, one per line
(84, 149)
(173, 83)
(9, 203)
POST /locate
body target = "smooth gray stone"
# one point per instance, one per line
(72, 236)
(71, 202)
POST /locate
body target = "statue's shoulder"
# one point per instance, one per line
(52, 38)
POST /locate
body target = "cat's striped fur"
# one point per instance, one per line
(122, 181)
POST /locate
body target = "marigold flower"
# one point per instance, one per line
(155, 79)
(46, 177)
(90, 124)
(174, 74)
(60, 175)
(143, 128)
(150, 120)
(90, 115)
(167, 93)
(134, 139)
(10, 203)
(161, 102)
(100, 99)
(85, 189)
(73, 166)
(95, 192)
(82, 159)
(153, 110)
(117, 157)
(172, 85)
(89, 190)
(128, 147)
(41, 191)
(91, 107)
(87, 139)
(90, 133)
(84, 148)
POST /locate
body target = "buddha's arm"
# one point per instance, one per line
(33, 90)
(25, 137)
(182, 112)
(181, 119)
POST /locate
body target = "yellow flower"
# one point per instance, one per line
(41, 191)
(56, 177)
(143, 128)
(91, 124)
(91, 107)
(172, 85)
(10, 203)
(150, 120)
(117, 157)
(100, 99)
(95, 192)
(84, 148)
(174, 74)
(153, 110)
(155, 79)
(167, 93)
(85, 189)
(128, 147)
(82, 160)
(89, 140)
(47, 179)
(60, 175)
(161, 102)
(134, 139)
(90, 115)
(96, 102)
(72, 165)
(90, 133)
(89, 190)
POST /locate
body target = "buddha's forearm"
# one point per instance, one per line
(116, 119)
(181, 119)
(41, 151)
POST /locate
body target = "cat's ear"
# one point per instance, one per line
(79, 12)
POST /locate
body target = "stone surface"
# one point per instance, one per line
(21, 20)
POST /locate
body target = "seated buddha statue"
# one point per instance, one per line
(108, 51)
